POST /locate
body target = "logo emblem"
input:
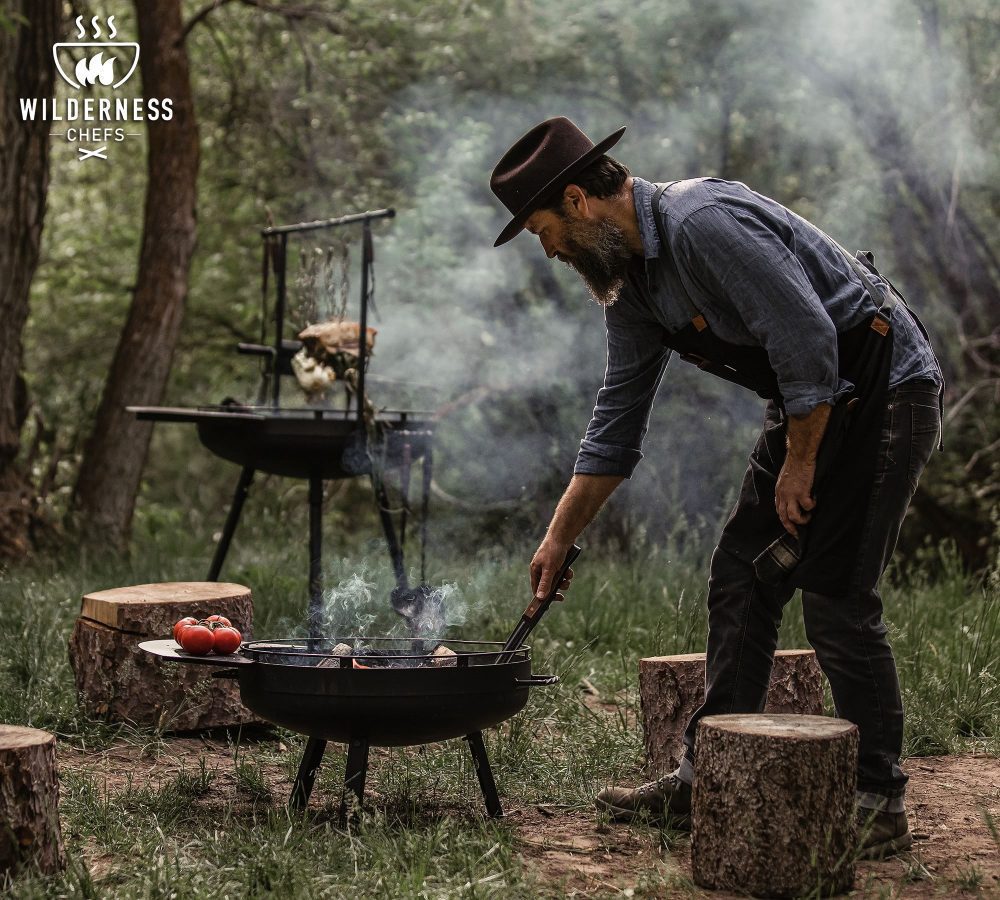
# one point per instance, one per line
(95, 68)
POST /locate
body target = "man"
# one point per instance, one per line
(748, 290)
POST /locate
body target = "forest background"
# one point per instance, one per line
(875, 120)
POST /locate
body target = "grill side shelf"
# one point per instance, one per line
(180, 414)
(169, 650)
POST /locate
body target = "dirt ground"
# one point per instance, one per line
(954, 853)
(575, 855)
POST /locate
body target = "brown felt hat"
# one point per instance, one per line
(541, 162)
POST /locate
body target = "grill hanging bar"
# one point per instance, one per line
(329, 223)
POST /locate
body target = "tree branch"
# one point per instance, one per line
(291, 13)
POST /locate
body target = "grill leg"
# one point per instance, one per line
(354, 781)
(232, 520)
(315, 556)
(307, 773)
(485, 774)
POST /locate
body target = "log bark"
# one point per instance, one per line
(29, 801)
(27, 70)
(671, 688)
(773, 804)
(115, 453)
(118, 682)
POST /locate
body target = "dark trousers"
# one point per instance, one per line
(847, 632)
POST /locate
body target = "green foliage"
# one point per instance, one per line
(361, 105)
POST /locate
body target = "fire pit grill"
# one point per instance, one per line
(410, 698)
(315, 442)
(399, 699)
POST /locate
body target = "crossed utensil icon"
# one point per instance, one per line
(87, 154)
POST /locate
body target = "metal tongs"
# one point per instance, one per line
(536, 609)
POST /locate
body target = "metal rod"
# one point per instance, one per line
(280, 261)
(425, 503)
(389, 530)
(329, 223)
(232, 520)
(354, 781)
(405, 468)
(366, 262)
(303, 786)
(485, 774)
(315, 556)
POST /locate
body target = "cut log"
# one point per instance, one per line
(671, 688)
(118, 682)
(29, 801)
(773, 804)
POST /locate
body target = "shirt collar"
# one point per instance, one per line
(642, 196)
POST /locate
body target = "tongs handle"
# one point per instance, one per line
(538, 606)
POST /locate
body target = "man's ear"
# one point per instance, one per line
(575, 198)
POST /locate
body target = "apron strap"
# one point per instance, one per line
(693, 313)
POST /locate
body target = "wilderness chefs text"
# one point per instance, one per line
(97, 109)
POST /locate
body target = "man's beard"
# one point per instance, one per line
(600, 254)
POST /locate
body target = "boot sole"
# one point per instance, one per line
(623, 814)
(887, 848)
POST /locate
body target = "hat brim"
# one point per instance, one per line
(514, 226)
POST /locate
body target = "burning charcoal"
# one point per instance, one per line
(444, 656)
(331, 662)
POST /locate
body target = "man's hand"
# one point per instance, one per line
(793, 494)
(579, 504)
(544, 566)
(793, 497)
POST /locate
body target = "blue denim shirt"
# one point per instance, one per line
(761, 276)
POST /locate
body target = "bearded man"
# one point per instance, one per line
(748, 290)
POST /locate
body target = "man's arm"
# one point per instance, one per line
(739, 259)
(610, 449)
(793, 493)
(579, 504)
(744, 262)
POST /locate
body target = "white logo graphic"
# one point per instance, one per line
(97, 69)
(92, 117)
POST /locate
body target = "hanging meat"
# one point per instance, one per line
(330, 354)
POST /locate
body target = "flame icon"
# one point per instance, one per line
(94, 70)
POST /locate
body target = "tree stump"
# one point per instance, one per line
(672, 688)
(117, 681)
(29, 801)
(773, 804)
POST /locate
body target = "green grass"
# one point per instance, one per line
(221, 830)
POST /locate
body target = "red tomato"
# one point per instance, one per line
(226, 638)
(197, 639)
(222, 620)
(187, 620)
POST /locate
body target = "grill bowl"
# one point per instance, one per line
(397, 702)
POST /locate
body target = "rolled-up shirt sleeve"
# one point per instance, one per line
(636, 361)
(738, 258)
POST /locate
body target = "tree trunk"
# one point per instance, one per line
(27, 70)
(671, 688)
(773, 805)
(118, 682)
(115, 453)
(29, 801)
